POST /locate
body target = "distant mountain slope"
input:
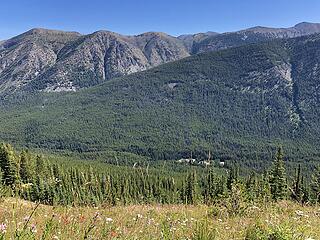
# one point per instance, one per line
(189, 40)
(253, 35)
(237, 103)
(25, 57)
(55, 61)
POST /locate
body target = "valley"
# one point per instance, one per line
(151, 136)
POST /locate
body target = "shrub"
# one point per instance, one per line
(256, 232)
(203, 232)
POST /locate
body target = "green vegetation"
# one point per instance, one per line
(239, 104)
(96, 200)
(40, 179)
(277, 221)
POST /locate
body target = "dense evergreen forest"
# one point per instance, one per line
(34, 178)
(239, 103)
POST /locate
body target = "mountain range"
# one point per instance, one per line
(238, 95)
(54, 61)
(239, 103)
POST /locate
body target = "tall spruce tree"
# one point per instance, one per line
(191, 188)
(40, 165)
(232, 176)
(277, 177)
(25, 169)
(8, 165)
(297, 190)
(316, 184)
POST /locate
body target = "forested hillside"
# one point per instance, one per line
(238, 103)
(54, 182)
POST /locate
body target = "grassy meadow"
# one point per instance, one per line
(284, 220)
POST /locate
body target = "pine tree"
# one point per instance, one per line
(232, 177)
(264, 189)
(277, 177)
(40, 166)
(191, 188)
(8, 165)
(316, 184)
(210, 187)
(251, 187)
(297, 188)
(25, 169)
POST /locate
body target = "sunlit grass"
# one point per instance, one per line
(287, 219)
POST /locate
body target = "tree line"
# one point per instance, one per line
(36, 179)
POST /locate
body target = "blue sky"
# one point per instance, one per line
(136, 16)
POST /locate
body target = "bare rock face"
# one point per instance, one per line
(104, 55)
(160, 48)
(49, 60)
(189, 40)
(27, 56)
(92, 59)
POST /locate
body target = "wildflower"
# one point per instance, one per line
(299, 213)
(109, 219)
(81, 218)
(255, 207)
(33, 228)
(55, 237)
(139, 216)
(113, 234)
(3, 228)
(97, 216)
(65, 220)
(26, 218)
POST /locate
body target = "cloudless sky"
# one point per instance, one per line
(136, 16)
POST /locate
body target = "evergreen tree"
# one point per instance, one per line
(277, 177)
(297, 190)
(316, 184)
(191, 188)
(25, 169)
(8, 165)
(40, 166)
(210, 187)
(264, 189)
(232, 177)
(251, 187)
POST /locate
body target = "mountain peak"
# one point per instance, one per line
(154, 34)
(304, 24)
(42, 31)
(307, 27)
(59, 58)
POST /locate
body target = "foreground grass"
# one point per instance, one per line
(286, 220)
